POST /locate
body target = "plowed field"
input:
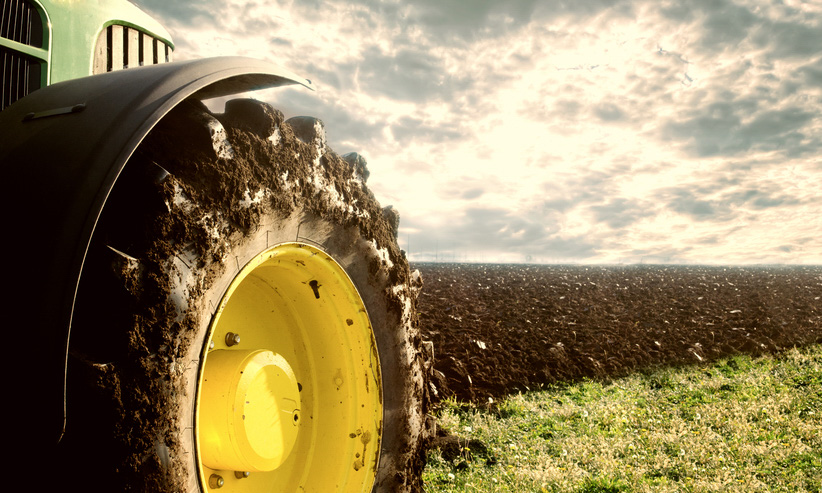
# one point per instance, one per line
(498, 329)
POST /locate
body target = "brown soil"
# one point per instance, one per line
(499, 329)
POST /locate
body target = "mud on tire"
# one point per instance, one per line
(202, 196)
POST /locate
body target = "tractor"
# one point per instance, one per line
(208, 300)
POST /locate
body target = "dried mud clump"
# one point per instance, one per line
(499, 329)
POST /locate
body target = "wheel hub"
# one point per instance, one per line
(251, 410)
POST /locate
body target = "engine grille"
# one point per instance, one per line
(120, 47)
(19, 21)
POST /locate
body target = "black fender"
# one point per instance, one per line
(61, 151)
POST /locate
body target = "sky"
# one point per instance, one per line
(578, 131)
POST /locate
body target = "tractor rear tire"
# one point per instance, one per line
(210, 206)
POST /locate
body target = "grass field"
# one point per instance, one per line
(740, 424)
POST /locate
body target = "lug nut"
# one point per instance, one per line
(232, 339)
(241, 474)
(215, 481)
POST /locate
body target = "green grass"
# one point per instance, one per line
(741, 424)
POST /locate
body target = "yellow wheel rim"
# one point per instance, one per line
(289, 394)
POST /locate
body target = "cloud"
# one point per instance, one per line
(732, 127)
(609, 112)
(489, 229)
(789, 40)
(407, 75)
(453, 21)
(812, 73)
(462, 188)
(686, 202)
(408, 129)
(193, 15)
(724, 24)
(621, 212)
(594, 130)
(759, 200)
